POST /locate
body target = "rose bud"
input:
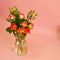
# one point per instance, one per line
(11, 16)
(12, 9)
(21, 30)
(31, 25)
(24, 24)
(13, 26)
(21, 16)
(27, 30)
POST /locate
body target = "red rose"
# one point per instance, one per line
(27, 30)
(13, 26)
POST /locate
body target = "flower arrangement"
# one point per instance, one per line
(18, 22)
(20, 25)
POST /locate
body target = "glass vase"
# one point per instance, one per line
(20, 46)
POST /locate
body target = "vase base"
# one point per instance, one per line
(20, 52)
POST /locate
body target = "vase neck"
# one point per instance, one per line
(19, 36)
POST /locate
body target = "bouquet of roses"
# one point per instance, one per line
(20, 27)
(19, 23)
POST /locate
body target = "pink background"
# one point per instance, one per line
(43, 42)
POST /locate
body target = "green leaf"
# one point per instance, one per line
(24, 34)
(10, 20)
(8, 30)
(16, 12)
(18, 21)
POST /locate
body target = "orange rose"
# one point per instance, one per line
(27, 30)
(31, 25)
(24, 24)
(13, 26)
(21, 29)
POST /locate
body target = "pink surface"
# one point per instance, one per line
(43, 43)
